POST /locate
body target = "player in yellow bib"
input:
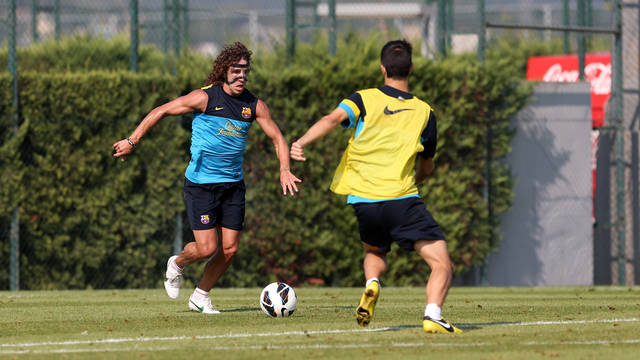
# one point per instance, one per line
(391, 128)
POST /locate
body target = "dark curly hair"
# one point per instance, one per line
(230, 54)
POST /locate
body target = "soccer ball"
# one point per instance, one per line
(278, 300)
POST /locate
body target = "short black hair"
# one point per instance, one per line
(396, 58)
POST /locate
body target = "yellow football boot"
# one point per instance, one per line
(364, 312)
(438, 326)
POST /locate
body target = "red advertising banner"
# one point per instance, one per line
(564, 68)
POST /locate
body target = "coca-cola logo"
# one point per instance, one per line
(598, 74)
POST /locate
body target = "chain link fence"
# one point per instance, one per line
(206, 25)
(200, 25)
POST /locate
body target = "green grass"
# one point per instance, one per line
(502, 323)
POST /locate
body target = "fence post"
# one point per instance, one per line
(488, 144)
(14, 232)
(332, 27)
(588, 16)
(619, 115)
(176, 27)
(449, 22)
(581, 42)
(565, 22)
(481, 31)
(34, 21)
(316, 16)
(135, 30)
(56, 17)
(165, 32)
(185, 24)
(291, 30)
(442, 27)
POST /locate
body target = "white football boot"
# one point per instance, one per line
(202, 305)
(172, 278)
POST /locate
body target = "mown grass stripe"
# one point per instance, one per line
(314, 346)
(300, 333)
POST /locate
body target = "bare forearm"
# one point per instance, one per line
(321, 128)
(147, 123)
(282, 152)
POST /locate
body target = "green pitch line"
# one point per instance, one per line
(522, 323)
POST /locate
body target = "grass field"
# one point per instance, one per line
(502, 323)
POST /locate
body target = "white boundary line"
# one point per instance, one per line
(317, 332)
(560, 322)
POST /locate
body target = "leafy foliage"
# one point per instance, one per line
(88, 221)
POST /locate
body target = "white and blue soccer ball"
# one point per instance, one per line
(278, 300)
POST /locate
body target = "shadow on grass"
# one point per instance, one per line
(465, 327)
(335, 307)
(483, 325)
(242, 309)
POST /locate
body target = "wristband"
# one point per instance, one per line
(133, 145)
(284, 169)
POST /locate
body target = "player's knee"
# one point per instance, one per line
(445, 266)
(206, 251)
(230, 251)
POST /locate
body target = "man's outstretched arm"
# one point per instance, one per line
(321, 128)
(195, 100)
(287, 179)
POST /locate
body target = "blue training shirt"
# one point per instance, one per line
(219, 136)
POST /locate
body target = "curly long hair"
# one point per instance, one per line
(230, 54)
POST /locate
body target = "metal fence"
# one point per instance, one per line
(441, 27)
(205, 25)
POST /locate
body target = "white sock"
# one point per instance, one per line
(175, 266)
(433, 311)
(372, 280)
(199, 293)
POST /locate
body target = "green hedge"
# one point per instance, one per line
(88, 221)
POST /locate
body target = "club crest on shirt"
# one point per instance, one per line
(246, 112)
(204, 219)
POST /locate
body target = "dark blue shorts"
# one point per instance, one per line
(402, 221)
(211, 204)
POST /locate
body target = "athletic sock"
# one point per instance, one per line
(433, 311)
(372, 280)
(175, 266)
(200, 294)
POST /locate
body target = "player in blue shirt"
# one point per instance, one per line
(214, 190)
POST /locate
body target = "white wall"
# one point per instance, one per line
(548, 232)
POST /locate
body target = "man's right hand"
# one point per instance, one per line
(122, 149)
(296, 152)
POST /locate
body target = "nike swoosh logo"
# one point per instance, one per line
(444, 324)
(391, 112)
(219, 108)
(201, 308)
